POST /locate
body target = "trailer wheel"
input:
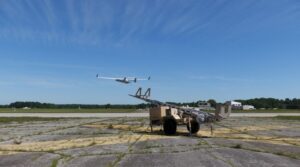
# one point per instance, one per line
(170, 126)
(195, 127)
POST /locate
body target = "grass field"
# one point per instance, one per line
(35, 110)
(9, 110)
(266, 111)
(263, 111)
(26, 119)
(288, 117)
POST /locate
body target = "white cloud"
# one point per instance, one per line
(118, 22)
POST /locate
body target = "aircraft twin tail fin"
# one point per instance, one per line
(146, 95)
(139, 92)
(148, 92)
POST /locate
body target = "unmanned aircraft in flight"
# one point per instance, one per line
(125, 80)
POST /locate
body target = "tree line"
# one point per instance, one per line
(73, 106)
(266, 103)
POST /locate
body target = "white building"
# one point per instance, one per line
(235, 104)
(188, 107)
(248, 107)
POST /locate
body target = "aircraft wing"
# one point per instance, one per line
(112, 78)
(138, 79)
(143, 79)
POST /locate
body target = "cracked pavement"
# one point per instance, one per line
(129, 142)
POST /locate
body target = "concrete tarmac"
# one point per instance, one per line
(128, 142)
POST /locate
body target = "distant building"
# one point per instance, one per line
(235, 104)
(248, 107)
(188, 107)
(26, 108)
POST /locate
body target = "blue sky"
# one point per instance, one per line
(51, 50)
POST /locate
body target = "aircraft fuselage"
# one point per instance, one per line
(123, 81)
